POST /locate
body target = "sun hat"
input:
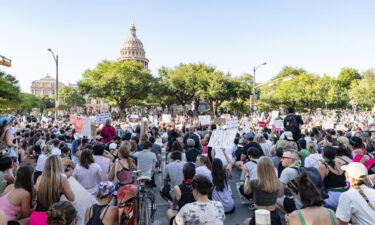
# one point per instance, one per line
(288, 136)
(106, 188)
(355, 170)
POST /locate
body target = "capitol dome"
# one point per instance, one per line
(133, 49)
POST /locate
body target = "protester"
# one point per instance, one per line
(122, 170)
(49, 188)
(191, 152)
(146, 161)
(203, 166)
(203, 210)
(313, 160)
(7, 137)
(103, 159)
(87, 172)
(292, 123)
(107, 132)
(173, 175)
(62, 213)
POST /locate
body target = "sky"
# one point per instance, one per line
(234, 36)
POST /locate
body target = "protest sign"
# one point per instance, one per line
(204, 119)
(101, 118)
(167, 118)
(219, 121)
(222, 138)
(328, 124)
(278, 125)
(78, 122)
(231, 123)
(246, 127)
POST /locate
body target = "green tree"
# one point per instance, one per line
(369, 74)
(69, 98)
(9, 91)
(125, 83)
(28, 102)
(289, 70)
(362, 93)
(347, 76)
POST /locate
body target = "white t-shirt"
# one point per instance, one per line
(56, 151)
(88, 178)
(41, 162)
(210, 213)
(353, 206)
(252, 166)
(313, 160)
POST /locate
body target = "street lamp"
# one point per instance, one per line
(254, 70)
(56, 58)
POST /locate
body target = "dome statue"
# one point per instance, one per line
(133, 49)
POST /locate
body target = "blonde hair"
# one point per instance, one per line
(124, 151)
(267, 179)
(356, 184)
(311, 146)
(47, 149)
(50, 185)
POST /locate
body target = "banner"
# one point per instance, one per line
(204, 119)
(231, 123)
(101, 118)
(222, 138)
(78, 122)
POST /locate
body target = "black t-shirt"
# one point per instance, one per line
(194, 137)
(292, 123)
(191, 154)
(252, 144)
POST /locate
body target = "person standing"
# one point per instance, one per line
(107, 132)
(292, 123)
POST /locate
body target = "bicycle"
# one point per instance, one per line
(146, 201)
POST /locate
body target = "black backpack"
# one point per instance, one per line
(315, 177)
(291, 123)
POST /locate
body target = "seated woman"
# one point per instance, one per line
(62, 213)
(182, 194)
(203, 166)
(221, 191)
(121, 171)
(17, 198)
(102, 213)
(203, 210)
(312, 211)
(264, 189)
(88, 173)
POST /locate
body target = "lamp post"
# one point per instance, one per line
(253, 92)
(56, 58)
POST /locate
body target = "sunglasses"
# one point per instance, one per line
(285, 157)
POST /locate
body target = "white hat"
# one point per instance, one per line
(288, 135)
(112, 146)
(355, 170)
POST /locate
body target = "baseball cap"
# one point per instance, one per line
(355, 170)
(106, 188)
(5, 121)
(249, 135)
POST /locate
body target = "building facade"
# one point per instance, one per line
(45, 86)
(132, 49)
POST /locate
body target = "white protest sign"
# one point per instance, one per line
(278, 125)
(101, 118)
(231, 123)
(167, 118)
(222, 138)
(88, 129)
(246, 127)
(328, 124)
(204, 119)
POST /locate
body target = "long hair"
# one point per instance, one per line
(86, 159)
(206, 161)
(329, 154)
(356, 184)
(219, 178)
(124, 153)
(61, 213)
(310, 195)
(311, 146)
(50, 185)
(267, 179)
(25, 180)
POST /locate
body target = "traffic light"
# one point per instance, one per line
(5, 61)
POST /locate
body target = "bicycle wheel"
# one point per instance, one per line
(145, 212)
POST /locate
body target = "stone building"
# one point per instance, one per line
(133, 49)
(45, 86)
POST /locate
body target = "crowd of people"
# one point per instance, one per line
(302, 174)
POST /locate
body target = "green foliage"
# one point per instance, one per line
(28, 102)
(125, 83)
(70, 97)
(288, 70)
(362, 93)
(9, 91)
(347, 75)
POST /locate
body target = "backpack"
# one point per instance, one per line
(125, 176)
(291, 123)
(315, 177)
(127, 205)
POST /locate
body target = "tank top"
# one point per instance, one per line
(9, 209)
(333, 180)
(303, 222)
(94, 214)
(186, 194)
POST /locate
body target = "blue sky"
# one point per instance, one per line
(321, 36)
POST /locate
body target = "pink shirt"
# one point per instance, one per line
(9, 209)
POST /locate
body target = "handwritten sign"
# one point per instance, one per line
(222, 138)
(167, 118)
(231, 123)
(101, 118)
(278, 125)
(204, 119)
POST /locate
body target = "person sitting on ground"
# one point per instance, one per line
(87, 172)
(251, 165)
(103, 159)
(103, 213)
(290, 161)
(312, 210)
(182, 193)
(17, 199)
(249, 139)
(177, 147)
(6, 168)
(332, 176)
(313, 160)
(264, 189)
(191, 152)
(121, 171)
(155, 149)
(286, 141)
(221, 190)
(66, 161)
(50, 186)
(62, 213)
(203, 210)
(302, 150)
(146, 161)
(203, 166)
(358, 203)
(42, 161)
(173, 175)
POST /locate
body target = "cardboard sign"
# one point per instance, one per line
(219, 121)
(101, 118)
(222, 138)
(167, 118)
(231, 123)
(204, 119)
(278, 125)
(78, 122)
